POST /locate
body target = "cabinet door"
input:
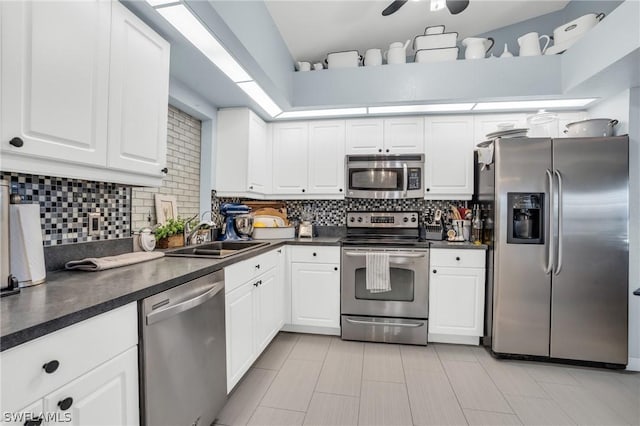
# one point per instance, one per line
(259, 156)
(285, 286)
(138, 95)
(364, 136)
(239, 312)
(290, 144)
(315, 293)
(326, 157)
(456, 301)
(404, 135)
(21, 417)
(484, 124)
(268, 304)
(55, 76)
(107, 395)
(449, 157)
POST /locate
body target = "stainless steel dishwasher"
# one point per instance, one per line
(183, 354)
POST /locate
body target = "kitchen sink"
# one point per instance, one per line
(217, 249)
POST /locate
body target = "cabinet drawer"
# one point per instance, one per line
(461, 258)
(77, 349)
(239, 273)
(315, 254)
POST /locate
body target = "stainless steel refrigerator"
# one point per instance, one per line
(559, 261)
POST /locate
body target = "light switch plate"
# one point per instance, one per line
(94, 224)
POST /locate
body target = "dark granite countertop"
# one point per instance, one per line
(457, 245)
(69, 297)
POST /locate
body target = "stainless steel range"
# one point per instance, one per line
(400, 314)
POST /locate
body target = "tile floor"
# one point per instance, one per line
(304, 379)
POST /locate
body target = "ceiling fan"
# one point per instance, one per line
(454, 6)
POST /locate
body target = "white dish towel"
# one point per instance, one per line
(378, 272)
(94, 264)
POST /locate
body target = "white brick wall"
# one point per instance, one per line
(183, 179)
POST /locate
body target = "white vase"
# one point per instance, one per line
(506, 53)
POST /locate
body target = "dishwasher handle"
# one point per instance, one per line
(172, 310)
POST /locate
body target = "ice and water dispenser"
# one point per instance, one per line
(526, 218)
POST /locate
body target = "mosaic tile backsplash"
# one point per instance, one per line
(65, 205)
(333, 212)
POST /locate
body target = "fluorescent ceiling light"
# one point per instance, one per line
(190, 27)
(550, 103)
(256, 93)
(420, 108)
(324, 112)
(437, 5)
(156, 3)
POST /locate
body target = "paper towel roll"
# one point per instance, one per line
(27, 254)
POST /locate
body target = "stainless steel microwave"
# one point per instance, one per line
(385, 176)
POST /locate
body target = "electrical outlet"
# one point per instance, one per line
(94, 224)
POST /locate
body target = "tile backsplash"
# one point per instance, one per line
(65, 205)
(333, 212)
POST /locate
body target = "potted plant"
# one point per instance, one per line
(170, 234)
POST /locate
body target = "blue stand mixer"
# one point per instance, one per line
(234, 213)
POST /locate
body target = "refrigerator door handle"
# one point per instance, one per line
(558, 267)
(550, 246)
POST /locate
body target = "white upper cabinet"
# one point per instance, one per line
(449, 157)
(84, 92)
(138, 95)
(258, 177)
(290, 148)
(404, 135)
(242, 154)
(326, 157)
(365, 136)
(484, 124)
(55, 80)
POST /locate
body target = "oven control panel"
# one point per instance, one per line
(382, 219)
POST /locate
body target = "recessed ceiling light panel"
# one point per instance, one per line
(324, 113)
(420, 108)
(194, 31)
(256, 93)
(522, 105)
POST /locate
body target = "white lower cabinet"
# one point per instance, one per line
(315, 293)
(315, 288)
(96, 385)
(239, 331)
(456, 296)
(253, 314)
(107, 395)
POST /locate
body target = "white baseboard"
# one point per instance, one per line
(634, 364)
(331, 331)
(449, 338)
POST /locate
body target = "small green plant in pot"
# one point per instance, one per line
(171, 233)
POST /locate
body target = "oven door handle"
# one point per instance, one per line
(391, 254)
(393, 324)
(406, 178)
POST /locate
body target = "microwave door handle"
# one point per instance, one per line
(406, 178)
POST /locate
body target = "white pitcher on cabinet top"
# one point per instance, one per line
(397, 53)
(530, 44)
(476, 47)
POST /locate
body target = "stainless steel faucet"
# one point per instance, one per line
(191, 235)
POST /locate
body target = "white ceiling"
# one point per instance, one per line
(313, 28)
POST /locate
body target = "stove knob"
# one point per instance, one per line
(406, 219)
(413, 219)
(352, 219)
(360, 219)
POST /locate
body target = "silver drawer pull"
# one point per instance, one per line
(393, 324)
